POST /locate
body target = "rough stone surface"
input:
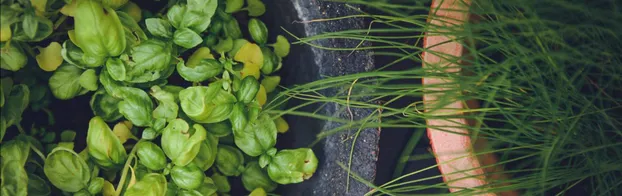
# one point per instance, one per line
(305, 64)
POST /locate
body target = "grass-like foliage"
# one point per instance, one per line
(547, 76)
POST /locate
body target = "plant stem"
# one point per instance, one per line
(408, 149)
(131, 156)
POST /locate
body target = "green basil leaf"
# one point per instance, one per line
(232, 29)
(104, 146)
(30, 25)
(229, 160)
(136, 106)
(134, 34)
(233, 5)
(167, 107)
(221, 182)
(37, 186)
(281, 47)
(15, 150)
(186, 38)
(172, 189)
(208, 187)
(88, 80)
(180, 143)
(257, 137)
(159, 27)
(258, 31)
(67, 136)
(116, 68)
(14, 178)
(190, 193)
(96, 185)
(8, 15)
(188, 177)
(40, 26)
(150, 61)
(105, 106)
(75, 56)
(12, 58)
(61, 162)
(255, 177)
(224, 45)
(65, 82)
(292, 166)
(151, 184)
(216, 27)
(15, 104)
(219, 129)
(150, 155)
(132, 10)
(98, 29)
(256, 8)
(113, 3)
(207, 104)
(270, 61)
(205, 69)
(248, 90)
(207, 154)
(238, 117)
(112, 87)
(196, 15)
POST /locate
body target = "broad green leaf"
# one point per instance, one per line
(224, 45)
(255, 177)
(229, 160)
(151, 184)
(50, 57)
(270, 83)
(257, 137)
(233, 5)
(208, 187)
(37, 186)
(180, 143)
(281, 47)
(186, 38)
(104, 146)
(256, 8)
(96, 185)
(149, 62)
(67, 136)
(188, 177)
(258, 31)
(15, 150)
(14, 180)
(219, 129)
(66, 170)
(207, 154)
(88, 80)
(98, 29)
(159, 27)
(113, 3)
(221, 182)
(136, 106)
(12, 58)
(33, 29)
(203, 70)
(292, 166)
(15, 104)
(65, 82)
(8, 15)
(206, 104)
(248, 90)
(113, 88)
(105, 106)
(270, 61)
(75, 56)
(232, 29)
(199, 55)
(167, 107)
(196, 15)
(151, 155)
(3, 127)
(134, 34)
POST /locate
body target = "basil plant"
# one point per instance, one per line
(177, 94)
